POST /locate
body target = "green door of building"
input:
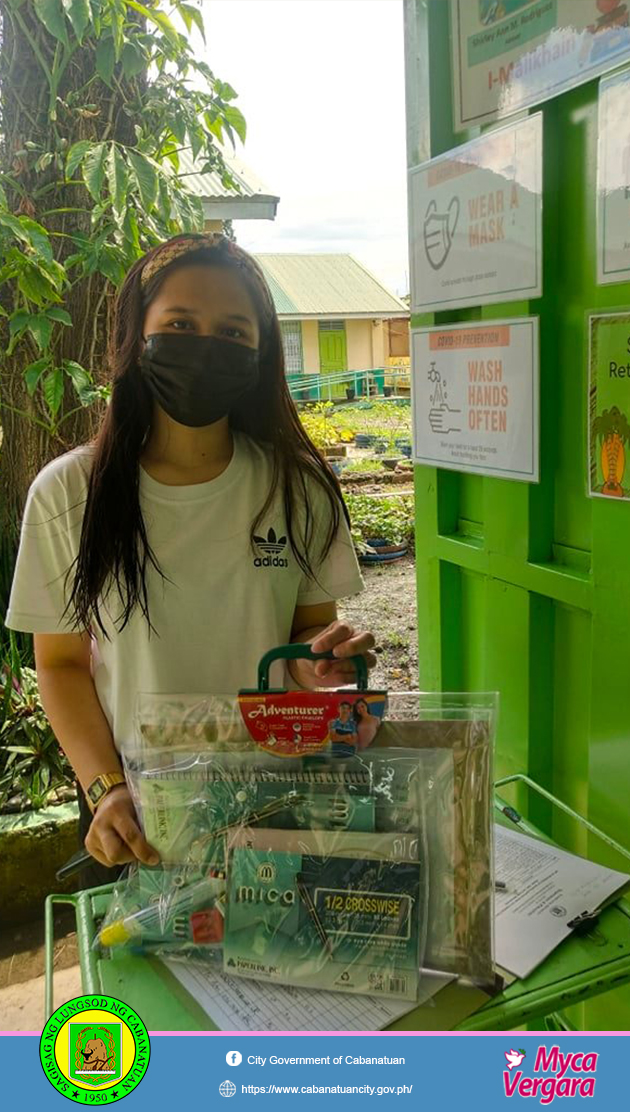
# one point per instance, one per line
(333, 354)
(525, 589)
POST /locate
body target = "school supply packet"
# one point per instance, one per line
(349, 833)
(300, 762)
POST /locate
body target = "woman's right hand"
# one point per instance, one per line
(115, 837)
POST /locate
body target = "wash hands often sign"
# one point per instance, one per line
(475, 398)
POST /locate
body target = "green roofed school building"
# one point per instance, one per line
(335, 315)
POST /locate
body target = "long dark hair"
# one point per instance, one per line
(355, 713)
(114, 541)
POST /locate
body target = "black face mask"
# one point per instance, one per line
(197, 379)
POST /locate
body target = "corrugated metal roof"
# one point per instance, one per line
(327, 286)
(210, 185)
(284, 305)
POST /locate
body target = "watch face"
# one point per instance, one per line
(96, 791)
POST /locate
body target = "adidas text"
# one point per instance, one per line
(268, 562)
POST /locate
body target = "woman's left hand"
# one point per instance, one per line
(344, 641)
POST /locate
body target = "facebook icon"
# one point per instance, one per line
(233, 1058)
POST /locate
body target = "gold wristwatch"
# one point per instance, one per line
(101, 786)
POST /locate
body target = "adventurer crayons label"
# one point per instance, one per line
(94, 1043)
(295, 723)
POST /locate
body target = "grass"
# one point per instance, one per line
(363, 466)
(390, 518)
(384, 419)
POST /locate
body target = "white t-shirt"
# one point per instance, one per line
(227, 604)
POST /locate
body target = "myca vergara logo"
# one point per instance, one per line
(569, 1075)
(272, 548)
(94, 1044)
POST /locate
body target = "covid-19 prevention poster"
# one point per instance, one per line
(475, 398)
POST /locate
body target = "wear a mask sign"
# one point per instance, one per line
(475, 221)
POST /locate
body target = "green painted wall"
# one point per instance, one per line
(525, 589)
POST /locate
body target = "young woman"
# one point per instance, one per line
(199, 530)
(366, 724)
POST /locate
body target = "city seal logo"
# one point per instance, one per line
(95, 1053)
(93, 1043)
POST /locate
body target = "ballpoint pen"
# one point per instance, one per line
(79, 861)
(305, 897)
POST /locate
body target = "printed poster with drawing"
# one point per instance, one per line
(510, 54)
(609, 405)
(475, 398)
(475, 220)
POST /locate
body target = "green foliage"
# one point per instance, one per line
(376, 518)
(388, 420)
(117, 199)
(32, 766)
(363, 466)
(321, 424)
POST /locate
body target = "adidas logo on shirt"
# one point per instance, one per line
(272, 547)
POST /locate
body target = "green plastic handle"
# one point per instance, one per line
(304, 652)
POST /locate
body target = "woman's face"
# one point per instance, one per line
(204, 301)
(361, 708)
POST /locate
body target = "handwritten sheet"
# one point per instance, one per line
(237, 1004)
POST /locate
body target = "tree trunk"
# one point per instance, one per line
(25, 100)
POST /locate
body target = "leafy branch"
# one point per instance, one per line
(99, 179)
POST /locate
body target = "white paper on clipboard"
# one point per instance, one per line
(545, 889)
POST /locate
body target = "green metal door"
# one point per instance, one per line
(524, 589)
(333, 354)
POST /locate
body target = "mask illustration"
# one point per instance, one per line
(439, 229)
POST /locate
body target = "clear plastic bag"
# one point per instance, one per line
(167, 910)
(450, 737)
(455, 735)
(315, 867)
(190, 722)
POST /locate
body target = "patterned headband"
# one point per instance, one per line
(191, 242)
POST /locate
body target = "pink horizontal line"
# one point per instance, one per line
(392, 1034)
